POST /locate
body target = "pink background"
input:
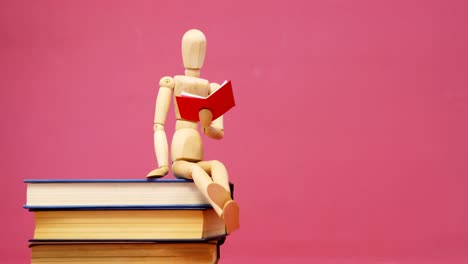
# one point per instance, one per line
(348, 143)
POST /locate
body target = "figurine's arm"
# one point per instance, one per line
(213, 129)
(166, 85)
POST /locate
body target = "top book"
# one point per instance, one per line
(218, 102)
(114, 194)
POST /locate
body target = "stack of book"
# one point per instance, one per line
(122, 221)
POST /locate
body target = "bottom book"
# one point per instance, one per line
(125, 252)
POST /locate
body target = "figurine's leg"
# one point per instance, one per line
(217, 171)
(190, 170)
(224, 206)
(230, 212)
(220, 193)
(231, 216)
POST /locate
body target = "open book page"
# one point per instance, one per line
(186, 94)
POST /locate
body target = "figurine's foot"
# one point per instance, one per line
(231, 216)
(158, 173)
(218, 194)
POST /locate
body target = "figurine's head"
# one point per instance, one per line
(193, 49)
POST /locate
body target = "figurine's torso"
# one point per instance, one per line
(187, 143)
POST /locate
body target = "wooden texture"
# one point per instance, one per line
(187, 146)
(206, 117)
(216, 130)
(166, 85)
(202, 179)
(193, 49)
(161, 149)
(231, 216)
(218, 194)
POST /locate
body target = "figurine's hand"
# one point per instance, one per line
(159, 172)
(213, 132)
(206, 117)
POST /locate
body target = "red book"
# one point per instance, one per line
(218, 102)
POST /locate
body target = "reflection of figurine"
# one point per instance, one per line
(210, 177)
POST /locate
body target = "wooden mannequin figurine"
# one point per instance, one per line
(210, 177)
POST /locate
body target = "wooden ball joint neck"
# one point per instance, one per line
(211, 177)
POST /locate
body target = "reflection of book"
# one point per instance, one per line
(128, 224)
(218, 102)
(132, 252)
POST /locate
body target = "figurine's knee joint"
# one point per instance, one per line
(167, 82)
(216, 163)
